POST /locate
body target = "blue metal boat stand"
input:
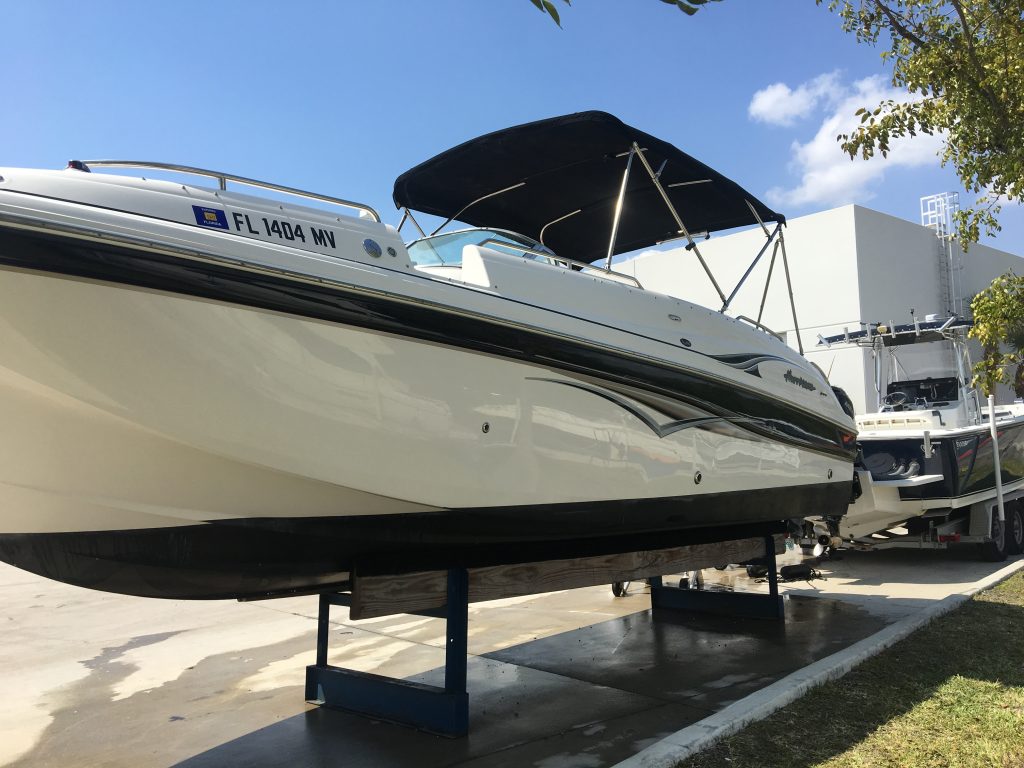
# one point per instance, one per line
(444, 711)
(745, 604)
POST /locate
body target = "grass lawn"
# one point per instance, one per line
(951, 694)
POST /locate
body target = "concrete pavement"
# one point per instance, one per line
(569, 678)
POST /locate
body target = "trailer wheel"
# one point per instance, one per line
(994, 551)
(1015, 529)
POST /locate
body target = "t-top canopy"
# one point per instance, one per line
(558, 181)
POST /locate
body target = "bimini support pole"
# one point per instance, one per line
(768, 281)
(691, 243)
(770, 237)
(789, 287)
(407, 215)
(618, 207)
(480, 199)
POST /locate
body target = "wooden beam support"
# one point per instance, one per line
(426, 591)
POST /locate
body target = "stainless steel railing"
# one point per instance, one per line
(760, 326)
(224, 178)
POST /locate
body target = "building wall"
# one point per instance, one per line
(849, 265)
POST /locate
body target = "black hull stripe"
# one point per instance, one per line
(78, 258)
(258, 557)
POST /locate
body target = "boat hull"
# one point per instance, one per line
(964, 457)
(180, 430)
(959, 474)
(252, 558)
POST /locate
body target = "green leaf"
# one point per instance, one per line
(550, 8)
(999, 324)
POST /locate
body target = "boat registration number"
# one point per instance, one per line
(276, 229)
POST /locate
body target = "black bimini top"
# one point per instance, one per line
(558, 181)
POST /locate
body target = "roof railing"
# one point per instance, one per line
(223, 179)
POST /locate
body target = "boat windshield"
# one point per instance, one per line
(446, 250)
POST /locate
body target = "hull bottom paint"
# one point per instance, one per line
(273, 556)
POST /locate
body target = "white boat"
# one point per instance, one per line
(213, 394)
(927, 454)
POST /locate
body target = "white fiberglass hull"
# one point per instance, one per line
(390, 424)
(187, 427)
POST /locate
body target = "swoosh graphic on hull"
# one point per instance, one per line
(661, 430)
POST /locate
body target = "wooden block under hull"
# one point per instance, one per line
(374, 596)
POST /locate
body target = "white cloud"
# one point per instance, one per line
(827, 175)
(778, 104)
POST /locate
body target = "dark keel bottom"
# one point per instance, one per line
(262, 557)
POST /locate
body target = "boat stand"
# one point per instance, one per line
(665, 599)
(447, 593)
(444, 711)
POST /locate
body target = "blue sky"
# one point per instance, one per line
(342, 97)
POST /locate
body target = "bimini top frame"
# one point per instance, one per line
(565, 180)
(561, 181)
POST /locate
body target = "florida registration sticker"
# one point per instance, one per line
(210, 217)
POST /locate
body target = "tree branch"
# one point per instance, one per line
(979, 71)
(899, 26)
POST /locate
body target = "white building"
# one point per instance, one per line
(849, 266)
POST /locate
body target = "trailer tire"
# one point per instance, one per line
(1015, 528)
(994, 551)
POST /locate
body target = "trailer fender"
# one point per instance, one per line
(981, 518)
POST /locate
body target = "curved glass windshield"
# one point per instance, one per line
(446, 250)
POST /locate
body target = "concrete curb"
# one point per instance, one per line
(758, 705)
